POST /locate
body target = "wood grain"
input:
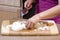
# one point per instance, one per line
(53, 31)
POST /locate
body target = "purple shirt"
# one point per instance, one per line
(47, 4)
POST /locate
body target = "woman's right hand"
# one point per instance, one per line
(32, 21)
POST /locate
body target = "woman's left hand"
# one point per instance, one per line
(28, 4)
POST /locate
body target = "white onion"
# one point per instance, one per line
(16, 26)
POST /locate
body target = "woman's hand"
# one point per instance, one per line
(28, 4)
(32, 21)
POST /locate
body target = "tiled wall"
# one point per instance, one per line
(10, 5)
(10, 2)
(9, 9)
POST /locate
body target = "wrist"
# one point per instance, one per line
(39, 16)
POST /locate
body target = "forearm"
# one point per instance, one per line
(59, 2)
(50, 13)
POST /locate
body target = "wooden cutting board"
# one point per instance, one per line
(52, 31)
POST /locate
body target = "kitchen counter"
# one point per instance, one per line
(3, 16)
(31, 37)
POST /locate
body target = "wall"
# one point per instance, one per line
(9, 9)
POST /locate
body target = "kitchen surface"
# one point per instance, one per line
(12, 15)
(9, 9)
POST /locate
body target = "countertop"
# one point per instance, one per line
(31, 37)
(4, 14)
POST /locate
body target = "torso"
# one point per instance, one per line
(47, 4)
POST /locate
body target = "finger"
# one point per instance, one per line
(29, 7)
(25, 4)
(31, 25)
(28, 24)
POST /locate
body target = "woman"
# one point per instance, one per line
(47, 9)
